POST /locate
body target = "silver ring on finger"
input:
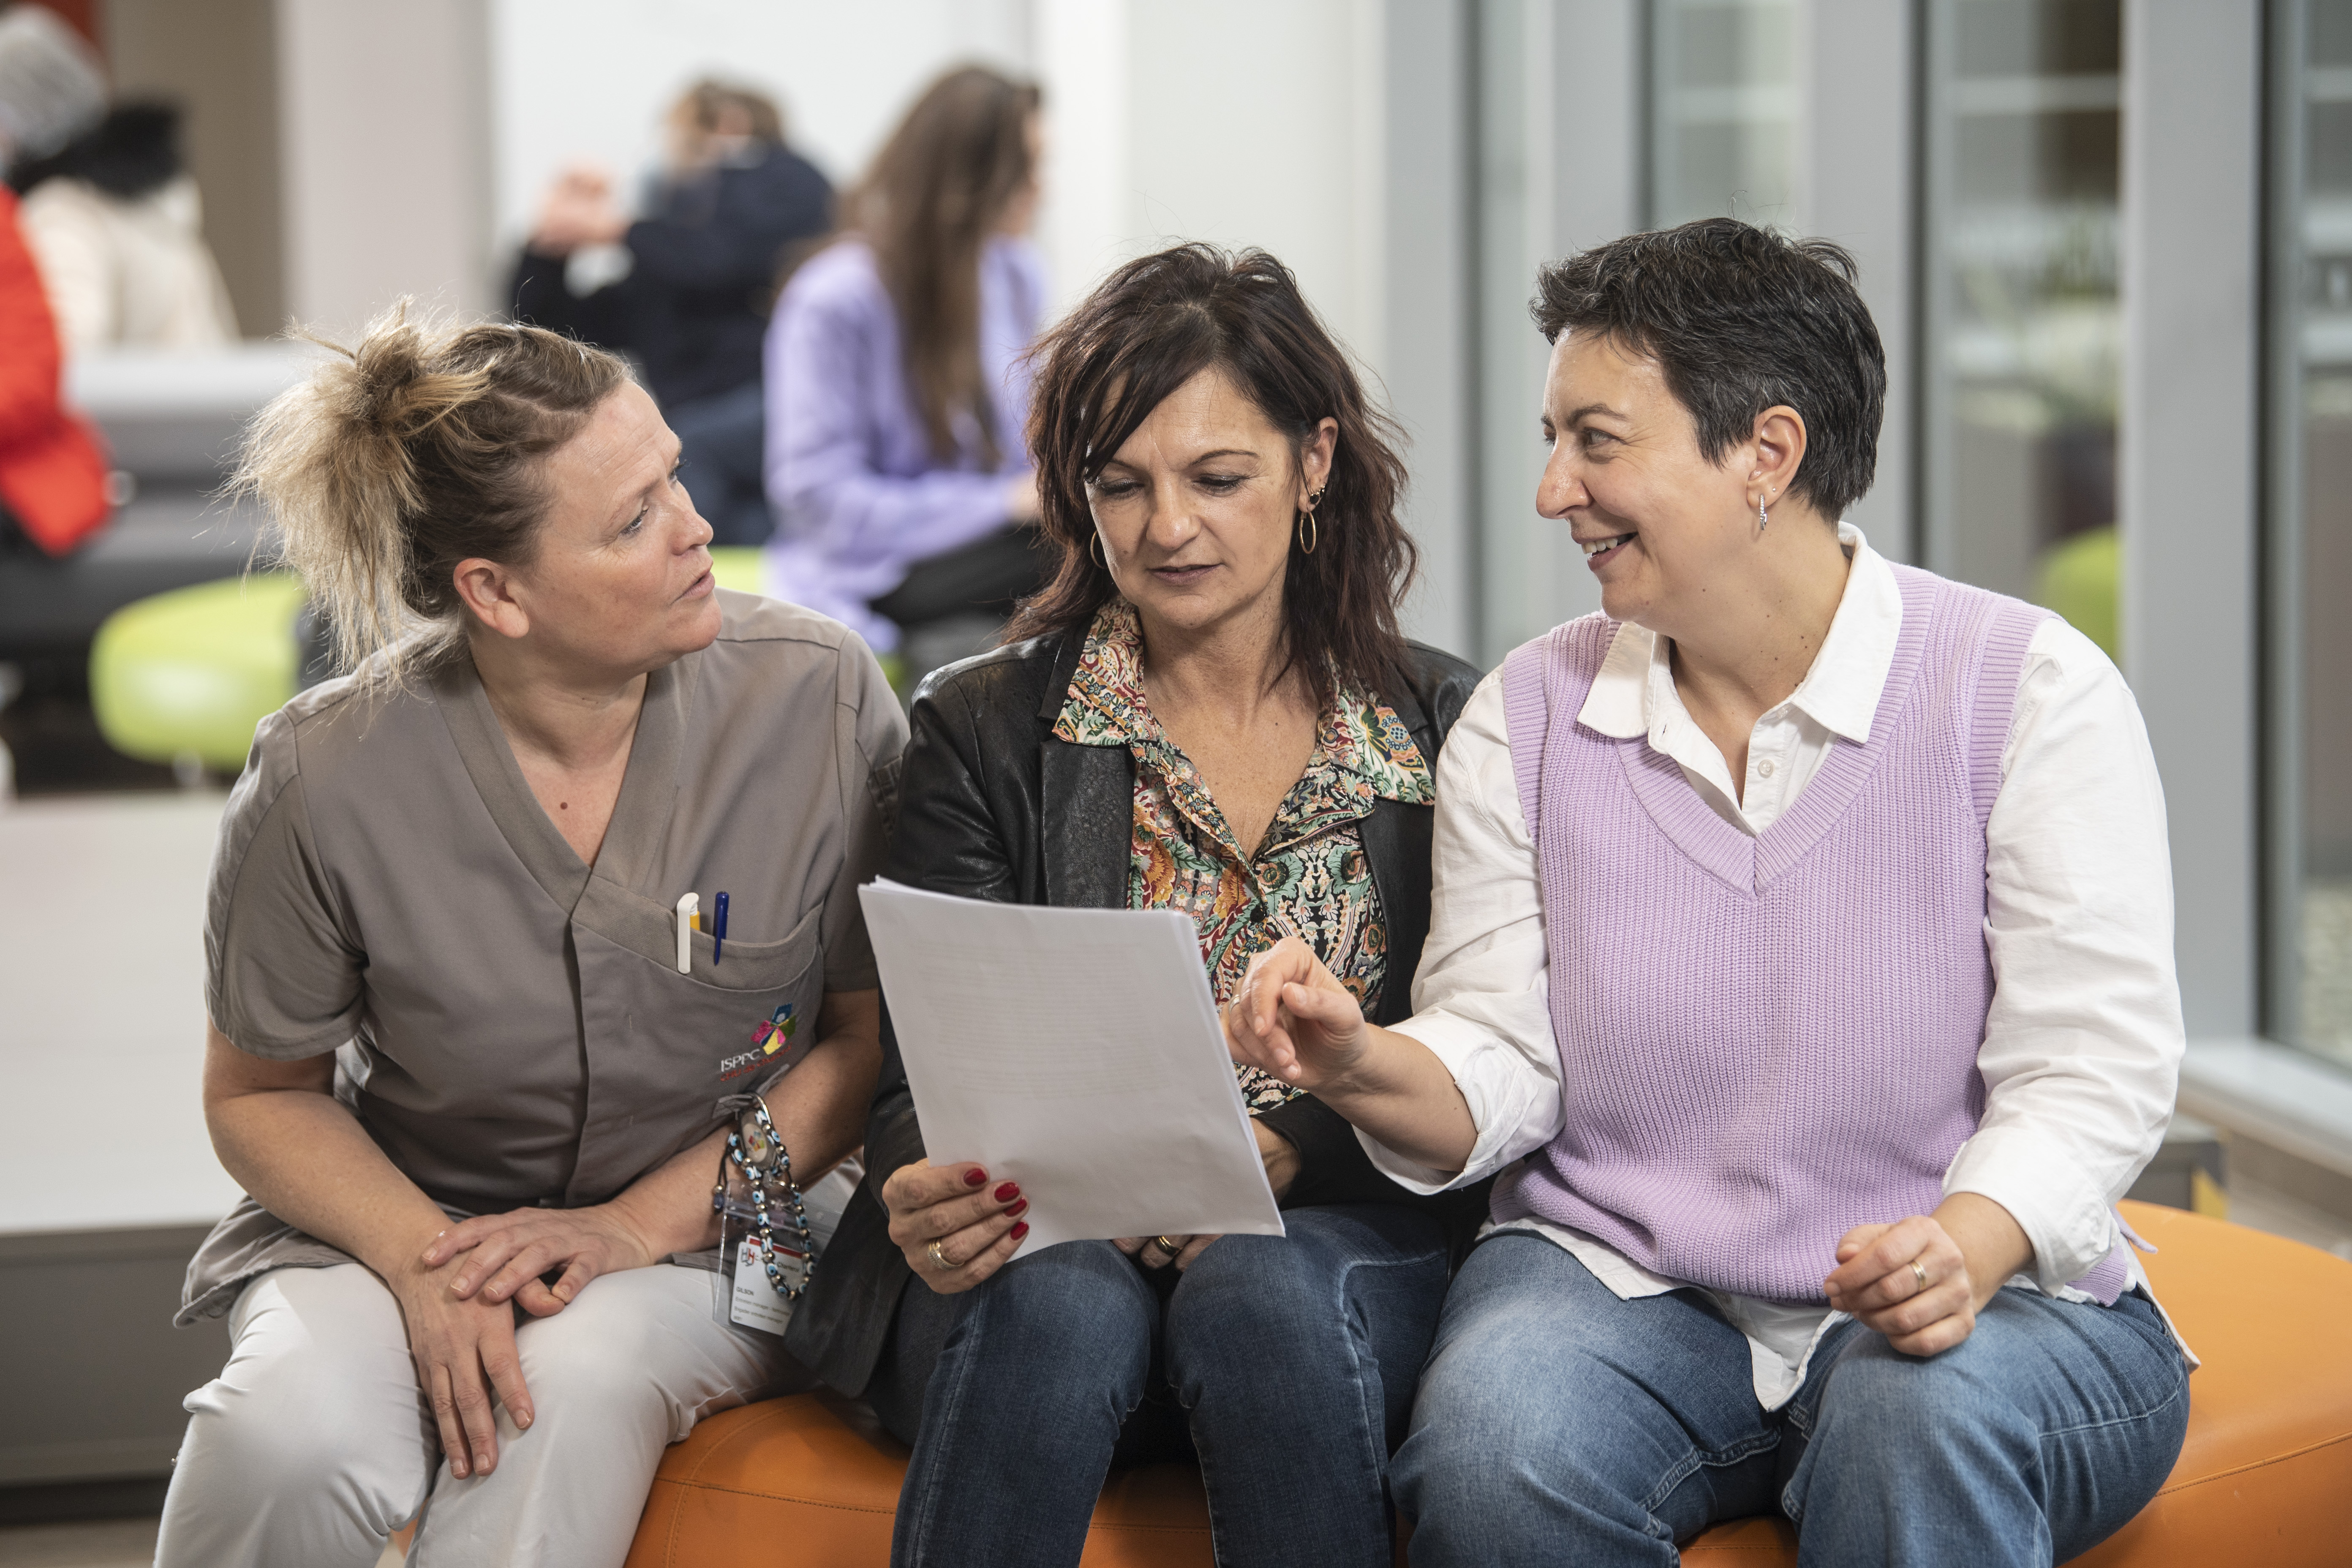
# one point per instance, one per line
(1920, 1275)
(939, 1255)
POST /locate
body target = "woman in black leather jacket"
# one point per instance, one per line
(1210, 710)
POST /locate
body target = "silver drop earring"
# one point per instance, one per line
(1763, 518)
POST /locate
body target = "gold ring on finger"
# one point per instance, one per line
(939, 1255)
(1919, 1274)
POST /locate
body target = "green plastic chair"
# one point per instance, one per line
(190, 672)
(2078, 580)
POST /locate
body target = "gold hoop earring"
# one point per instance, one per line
(1093, 548)
(1310, 532)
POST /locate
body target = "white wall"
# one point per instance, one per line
(592, 78)
(1159, 128)
(1275, 144)
(384, 184)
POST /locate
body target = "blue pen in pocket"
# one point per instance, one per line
(718, 930)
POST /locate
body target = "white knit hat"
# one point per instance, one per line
(52, 88)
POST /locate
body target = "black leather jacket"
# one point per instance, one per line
(990, 805)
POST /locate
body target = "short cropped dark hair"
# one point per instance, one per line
(1740, 318)
(1146, 330)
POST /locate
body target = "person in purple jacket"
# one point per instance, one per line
(1801, 957)
(897, 393)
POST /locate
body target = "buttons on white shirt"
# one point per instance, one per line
(1764, 768)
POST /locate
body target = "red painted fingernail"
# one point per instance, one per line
(1016, 1210)
(1020, 1230)
(1008, 1192)
(974, 1176)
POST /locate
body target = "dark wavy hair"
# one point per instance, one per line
(1150, 328)
(1740, 318)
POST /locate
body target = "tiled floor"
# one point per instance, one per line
(101, 966)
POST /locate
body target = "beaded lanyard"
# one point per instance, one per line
(754, 1164)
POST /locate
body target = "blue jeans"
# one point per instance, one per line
(1288, 1362)
(1557, 1424)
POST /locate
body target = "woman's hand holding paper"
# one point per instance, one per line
(955, 1229)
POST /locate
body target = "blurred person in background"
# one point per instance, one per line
(114, 223)
(897, 395)
(52, 466)
(730, 202)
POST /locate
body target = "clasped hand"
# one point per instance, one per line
(459, 1299)
(1921, 1281)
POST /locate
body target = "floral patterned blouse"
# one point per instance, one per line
(1309, 876)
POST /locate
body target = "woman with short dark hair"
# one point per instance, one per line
(1801, 957)
(1210, 710)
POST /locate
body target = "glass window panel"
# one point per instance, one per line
(2309, 948)
(1724, 107)
(2024, 133)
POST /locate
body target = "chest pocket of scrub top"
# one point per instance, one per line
(718, 1031)
(761, 1000)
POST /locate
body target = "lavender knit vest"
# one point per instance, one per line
(1765, 1042)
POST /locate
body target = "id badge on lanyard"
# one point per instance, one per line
(769, 1238)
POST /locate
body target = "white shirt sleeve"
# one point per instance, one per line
(2083, 1042)
(1479, 997)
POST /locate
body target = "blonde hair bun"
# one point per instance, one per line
(400, 456)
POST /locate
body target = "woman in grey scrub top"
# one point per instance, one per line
(451, 1056)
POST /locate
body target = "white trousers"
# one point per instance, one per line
(314, 1444)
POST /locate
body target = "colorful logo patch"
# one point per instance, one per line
(781, 1026)
(766, 1041)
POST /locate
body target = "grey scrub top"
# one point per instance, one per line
(509, 1025)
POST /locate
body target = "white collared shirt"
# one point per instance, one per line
(2084, 1037)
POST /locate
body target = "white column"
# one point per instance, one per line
(2189, 463)
(1859, 179)
(1426, 306)
(383, 127)
(1091, 205)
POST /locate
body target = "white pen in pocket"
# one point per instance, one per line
(688, 907)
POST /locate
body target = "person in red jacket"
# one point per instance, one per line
(52, 464)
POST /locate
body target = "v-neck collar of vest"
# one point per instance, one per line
(1753, 865)
(640, 814)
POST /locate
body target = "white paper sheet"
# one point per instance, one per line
(1077, 1053)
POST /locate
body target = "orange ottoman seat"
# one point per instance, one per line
(2266, 1471)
